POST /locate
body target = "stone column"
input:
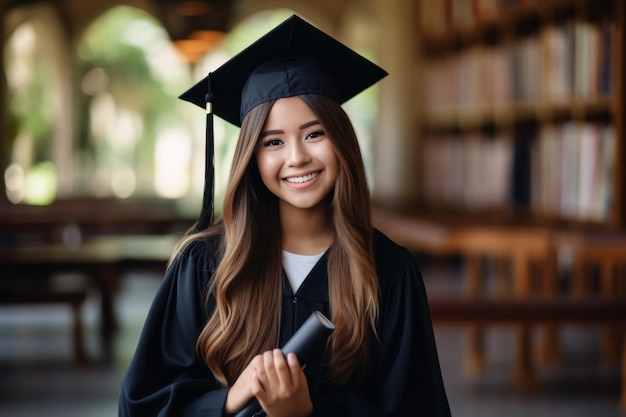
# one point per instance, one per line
(3, 105)
(395, 143)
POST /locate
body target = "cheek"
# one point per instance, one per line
(327, 154)
(267, 167)
(333, 165)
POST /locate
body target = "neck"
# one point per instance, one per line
(306, 232)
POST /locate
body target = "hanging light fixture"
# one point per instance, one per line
(196, 26)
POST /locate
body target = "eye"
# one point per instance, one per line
(272, 142)
(316, 134)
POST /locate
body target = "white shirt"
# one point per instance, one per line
(297, 267)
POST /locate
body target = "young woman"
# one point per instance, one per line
(295, 237)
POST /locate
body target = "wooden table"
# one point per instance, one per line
(514, 248)
(600, 257)
(523, 249)
(102, 259)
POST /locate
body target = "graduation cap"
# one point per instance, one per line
(292, 59)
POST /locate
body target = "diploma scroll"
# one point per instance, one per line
(313, 332)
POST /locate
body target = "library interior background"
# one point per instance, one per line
(495, 152)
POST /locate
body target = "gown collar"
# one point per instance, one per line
(315, 285)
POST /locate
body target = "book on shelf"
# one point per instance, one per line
(593, 43)
(563, 170)
(563, 60)
(473, 171)
(557, 54)
(544, 71)
(571, 170)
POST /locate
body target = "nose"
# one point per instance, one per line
(298, 154)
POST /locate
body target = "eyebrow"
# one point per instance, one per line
(278, 131)
(311, 123)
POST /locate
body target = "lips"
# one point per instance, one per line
(302, 179)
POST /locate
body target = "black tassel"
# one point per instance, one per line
(207, 211)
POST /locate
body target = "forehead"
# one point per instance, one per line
(291, 112)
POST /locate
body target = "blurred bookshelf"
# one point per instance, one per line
(522, 110)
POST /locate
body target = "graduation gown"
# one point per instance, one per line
(402, 375)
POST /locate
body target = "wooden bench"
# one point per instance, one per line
(556, 310)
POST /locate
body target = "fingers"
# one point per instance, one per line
(270, 373)
(276, 369)
(293, 362)
(288, 394)
(275, 380)
(257, 369)
(275, 373)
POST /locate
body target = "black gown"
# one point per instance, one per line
(402, 376)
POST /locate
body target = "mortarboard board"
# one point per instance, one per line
(292, 59)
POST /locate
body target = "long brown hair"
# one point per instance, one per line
(247, 284)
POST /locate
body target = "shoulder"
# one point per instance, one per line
(392, 260)
(199, 257)
(205, 249)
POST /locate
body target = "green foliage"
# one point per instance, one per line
(121, 44)
(30, 108)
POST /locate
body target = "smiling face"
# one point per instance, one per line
(295, 155)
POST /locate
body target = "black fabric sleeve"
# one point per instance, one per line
(403, 376)
(165, 376)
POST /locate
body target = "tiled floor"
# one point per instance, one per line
(38, 379)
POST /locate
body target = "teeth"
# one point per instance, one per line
(305, 178)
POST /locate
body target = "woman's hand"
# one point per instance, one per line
(280, 385)
(241, 393)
